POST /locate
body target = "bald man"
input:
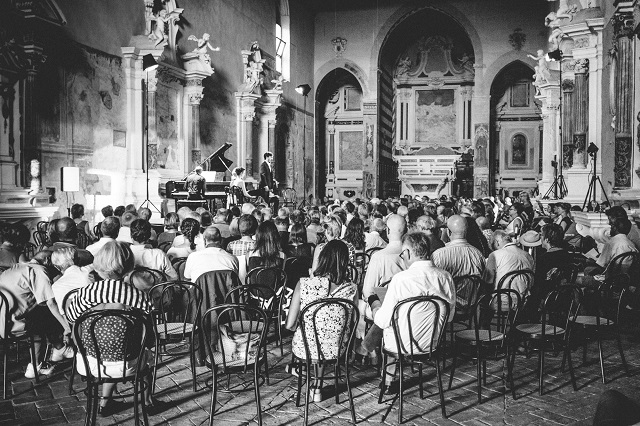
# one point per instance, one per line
(384, 264)
(212, 258)
(458, 257)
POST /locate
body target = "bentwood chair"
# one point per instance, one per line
(176, 308)
(426, 313)
(131, 326)
(145, 278)
(8, 338)
(469, 288)
(235, 337)
(65, 302)
(331, 346)
(605, 311)
(553, 331)
(490, 337)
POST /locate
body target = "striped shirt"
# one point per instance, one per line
(107, 291)
(241, 247)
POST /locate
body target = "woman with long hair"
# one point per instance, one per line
(237, 181)
(355, 234)
(298, 245)
(330, 280)
(190, 229)
(267, 251)
(332, 231)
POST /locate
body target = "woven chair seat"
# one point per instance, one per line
(470, 336)
(592, 320)
(535, 330)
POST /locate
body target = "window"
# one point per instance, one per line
(280, 46)
(519, 150)
(283, 39)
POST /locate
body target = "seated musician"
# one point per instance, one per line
(237, 180)
(195, 184)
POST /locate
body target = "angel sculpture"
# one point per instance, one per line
(277, 83)
(203, 46)
(555, 19)
(403, 66)
(162, 17)
(542, 74)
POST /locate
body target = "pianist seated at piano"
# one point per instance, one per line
(195, 184)
(240, 195)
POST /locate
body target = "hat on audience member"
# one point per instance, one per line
(530, 239)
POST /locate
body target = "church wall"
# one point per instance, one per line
(83, 106)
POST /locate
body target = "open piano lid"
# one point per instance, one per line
(217, 161)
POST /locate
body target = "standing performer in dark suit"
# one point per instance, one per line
(195, 184)
(267, 183)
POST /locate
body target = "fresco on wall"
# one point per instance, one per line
(169, 152)
(351, 150)
(435, 117)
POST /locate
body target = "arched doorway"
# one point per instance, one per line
(425, 86)
(515, 148)
(339, 135)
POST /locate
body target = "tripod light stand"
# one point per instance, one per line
(592, 150)
(304, 90)
(148, 64)
(558, 188)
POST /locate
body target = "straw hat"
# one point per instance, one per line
(530, 239)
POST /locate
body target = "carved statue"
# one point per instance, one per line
(555, 19)
(555, 38)
(466, 62)
(159, 35)
(256, 54)
(253, 67)
(34, 171)
(277, 83)
(403, 67)
(202, 48)
(542, 74)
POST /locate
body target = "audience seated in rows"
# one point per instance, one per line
(212, 258)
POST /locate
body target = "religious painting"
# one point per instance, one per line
(352, 99)
(169, 148)
(435, 117)
(482, 142)
(520, 95)
(519, 150)
(351, 150)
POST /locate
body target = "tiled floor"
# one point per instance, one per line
(49, 402)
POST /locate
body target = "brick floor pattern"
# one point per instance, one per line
(49, 402)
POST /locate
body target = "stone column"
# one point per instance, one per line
(152, 129)
(135, 181)
(8, 164)
(550, 97)
(193, 93)
(267, 106)
(29, 123)
(480, 108)
(567, 124)
(581, 113)
(623, 31)
(245, 114)
(370, 159)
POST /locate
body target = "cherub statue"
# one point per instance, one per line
(403, 66)
(256, 54)
(277, 83)
(542, 69)
(555, 38)
(203, 45)
(158, 35)
(555, 19)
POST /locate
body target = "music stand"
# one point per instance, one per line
(592, 150)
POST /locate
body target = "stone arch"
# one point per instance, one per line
(347, 65)
(500, 64)
(416, 6)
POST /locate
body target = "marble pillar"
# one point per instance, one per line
(29, 123)
(480, 107)
(550, 98)
(370, 176)
(581, 113)
(266, 107)
(193, 94)
(623, 104)
(152, 129)
(8, 164)
(245, 114)
(568, 109)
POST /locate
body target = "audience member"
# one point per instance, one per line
(66, 236)
(73, 276)
(427, 225)
(148, 257)
(124, 234)
(110, 228)
(267, 252)
(212, 258)
(508, 257)
(220, 222)
(187, 244)
(374, 238)
(15, 237)
(298, 246)
(170, 228)
(458, 257)
(355, 234)
(247, 225)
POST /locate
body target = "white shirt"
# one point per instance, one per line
(95, 247)
(209, 259)
(384, 264)
(154, 259)
(74, 277)
(124, 235)
(507, 259)
(373, 240)
(420, 279)
(180, 240)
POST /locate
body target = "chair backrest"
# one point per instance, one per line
(234, 334)
(40, 238)
(520, 280)
(215, 285)
(433, 311)
(97, 230)
(353, 274)
(30, 250)
(625, 263)
(296, 268)
(144, 278)
(496, 312)
(609, 301)
(560, 309)
(65, 301)
(42, 226)
(257, 296)
(334, 342)
(361, 261)
(5, 316)
(289, 195)
(372, 250)
(165, 246)
(178, 264)
(176, 302)
(273, 277)
(82, 241)
(129, 324)
(468, 290)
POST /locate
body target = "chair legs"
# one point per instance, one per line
(214, 392)
(4, 370)
(256, 389)
(441, 390)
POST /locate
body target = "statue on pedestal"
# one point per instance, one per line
(202, 49)
(34, 171)
(404, 65)
(542, 74)
(253, 68)
(277, 83)
(159, 35)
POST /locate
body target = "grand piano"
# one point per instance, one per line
(214, 189)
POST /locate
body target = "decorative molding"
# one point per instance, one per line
(195, 98)
(339, 46)
(581, 66)
(622, 162)
(581, 42)
(165, 75)
(196, 82)
(517, 39)
(568, 85)
(623, 25)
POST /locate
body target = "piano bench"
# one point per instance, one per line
(192, 204)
